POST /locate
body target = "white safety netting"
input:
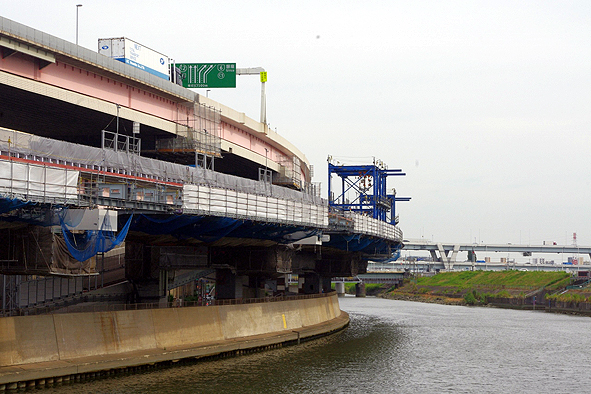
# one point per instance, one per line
(40, 148)
(25, 179)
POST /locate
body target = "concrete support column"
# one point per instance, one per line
(326, 284)
(340, 288)
(311, 283)
(163, 284)
(445, 259)
(163, 288)
(454, 254)
(242, 287)
(225, 284)
(359, 289)
(3, 293)
(282, 283)
(254, 287)
(442, 253)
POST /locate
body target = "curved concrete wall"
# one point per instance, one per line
(68, 337)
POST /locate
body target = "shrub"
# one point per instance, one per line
(374, 286)
(350, 288)
(481, 297)
(469, 298)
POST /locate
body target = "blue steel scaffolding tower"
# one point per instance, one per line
(367, 185)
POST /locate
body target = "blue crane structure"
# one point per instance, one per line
(368, 184)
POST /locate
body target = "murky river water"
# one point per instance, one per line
(396, 347)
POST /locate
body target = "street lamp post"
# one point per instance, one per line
(266, 170)
(77, 8)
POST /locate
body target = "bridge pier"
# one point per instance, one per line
(447, 260)
(225, 284)
(326, 282)
(340, 288)
(359, 289)
(330, 264)
(153, 266)
(310, 283)
(240, 271)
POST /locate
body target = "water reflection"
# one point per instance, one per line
(395, 347)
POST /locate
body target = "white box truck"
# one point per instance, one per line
(136, 55)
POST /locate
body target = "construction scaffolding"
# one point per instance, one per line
(199, 136)
(121, 142)
(214, 201)
(290, 173)
(39, 169)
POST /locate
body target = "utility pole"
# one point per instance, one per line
(77, 8)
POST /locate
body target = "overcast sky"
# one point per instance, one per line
(485, 105)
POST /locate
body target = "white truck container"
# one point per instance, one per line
(134, 54)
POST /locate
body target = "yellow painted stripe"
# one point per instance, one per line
(284, 322)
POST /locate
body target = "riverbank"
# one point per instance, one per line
(510, 289)
(38, 350)
(432, 299)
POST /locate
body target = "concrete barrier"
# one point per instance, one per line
(47, 346)
(25, 340)
(103, 333)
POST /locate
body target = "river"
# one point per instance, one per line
(395, 347)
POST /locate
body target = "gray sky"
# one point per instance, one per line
(486, 105)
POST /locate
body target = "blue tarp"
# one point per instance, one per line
(88, 244)
(280, 233)
(10, 204)
(163, 224)
(211, 228)
(362, 243)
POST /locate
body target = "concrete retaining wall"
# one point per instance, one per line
(95, 341)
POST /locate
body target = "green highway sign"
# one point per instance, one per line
(208, 75)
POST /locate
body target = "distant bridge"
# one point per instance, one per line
(449, 259)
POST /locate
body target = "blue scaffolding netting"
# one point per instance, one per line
(10, 204)
(212, 228)
(91, 242)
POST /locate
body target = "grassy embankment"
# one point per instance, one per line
(476, 287)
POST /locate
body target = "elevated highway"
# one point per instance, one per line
(53, 88)
(448, 251)
(186, 184)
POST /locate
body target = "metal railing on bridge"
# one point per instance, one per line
(100, 304)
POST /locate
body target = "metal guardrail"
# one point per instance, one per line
(101, 306)
(579, 286)
(121, 142)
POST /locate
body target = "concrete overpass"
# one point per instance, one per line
(447, 252)
(68, 141)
